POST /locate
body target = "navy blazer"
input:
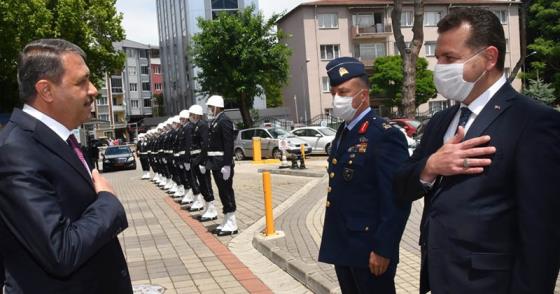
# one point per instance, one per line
(499, 231)
(362, 215)
(58, 235)
(221, 137)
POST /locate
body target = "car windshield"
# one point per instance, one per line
(279, 133)
(117, 150)
(327, 131)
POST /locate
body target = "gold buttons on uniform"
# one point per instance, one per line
(328, 204)
(331, 175)
(334, 161)
(366, 229)
(350, 162)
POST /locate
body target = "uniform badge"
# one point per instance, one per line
(342, 71)
(352, 156)
(347, 174)
(362, 147)
(363, 127)
(386, 126)
(352, 149)
(363, 139)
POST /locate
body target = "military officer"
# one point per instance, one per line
(220, 162)
(177, 166)
(142, 152)
(181, 148)
(363, 223)
(199, 153)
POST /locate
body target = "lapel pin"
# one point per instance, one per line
(497, 107)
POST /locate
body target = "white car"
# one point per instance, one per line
(319, 138)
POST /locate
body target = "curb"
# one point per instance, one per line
(289, 172)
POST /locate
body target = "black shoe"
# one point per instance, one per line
(186, 206)
(197, 209)
(216, 231)
(227, 233)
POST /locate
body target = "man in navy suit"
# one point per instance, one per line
(488, 170)
(59, 221)
(363, 223)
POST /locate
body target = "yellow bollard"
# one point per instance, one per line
(257, 149)
(302, 148)
(269, 229)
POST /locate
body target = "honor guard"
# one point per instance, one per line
(181, 149)
(176, 165)
(363, 223)
(142, 152)
(199, 153)
(220, 162)
(156, 155)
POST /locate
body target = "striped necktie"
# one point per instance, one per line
(76, 148)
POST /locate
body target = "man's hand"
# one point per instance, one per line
(378, 264)
(202, 169)
(226, 172)
(187, 166)
(456, 157)
(100, 183)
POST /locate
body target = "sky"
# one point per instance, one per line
(140, 19)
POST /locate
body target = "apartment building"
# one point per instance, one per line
(323, 30)
(177, 23)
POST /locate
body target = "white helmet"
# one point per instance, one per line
(176, 119)
(216, 101)
(184, 113)
(169, 121)
(196, 109)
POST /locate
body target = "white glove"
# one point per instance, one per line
(202, 169)
(187, 166)
(226, 172)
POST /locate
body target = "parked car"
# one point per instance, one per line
(118, 157)
(319, 138)
(409, 125)
(412, 143)
(270, 140)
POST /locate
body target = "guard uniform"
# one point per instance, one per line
(199, 153)
(142, 147)
(361, 211)
(220, 154)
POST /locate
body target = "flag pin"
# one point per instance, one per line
(497, 107)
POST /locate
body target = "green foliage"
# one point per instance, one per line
(544, 37)
(240, 57)
(159, 107)
(541, 91)
(387, 80)
(92, 25)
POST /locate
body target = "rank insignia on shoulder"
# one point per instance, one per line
(386, 126)
(363, 127)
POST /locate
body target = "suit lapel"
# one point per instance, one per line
(46, 137)
(494, 108)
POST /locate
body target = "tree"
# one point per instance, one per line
(409, 54)
(159, 105)
(91, 24)
(541, 91)
(240, 57)
(544, 38)
(387, 81)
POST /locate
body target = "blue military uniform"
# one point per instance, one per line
(361, 211)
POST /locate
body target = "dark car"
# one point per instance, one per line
(118, 158)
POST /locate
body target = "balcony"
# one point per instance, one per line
(378, 31)
(147, 111)
(118, 108)
(102, 109)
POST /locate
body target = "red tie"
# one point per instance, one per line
(76, 147)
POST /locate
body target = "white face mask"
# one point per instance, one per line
(342, 107)
(449, 80)
(193, 120)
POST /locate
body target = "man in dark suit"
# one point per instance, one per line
(488, 170)
(59, 221)
(363, 223)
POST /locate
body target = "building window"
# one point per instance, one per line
(430, 48)
(146, 86)
(329, 52)
(502, 15)
(157, 69)
(431, 18)
(371, 50)
(436, 106)
(326, 85)
(328, 21)
(132, 70)
(134, 103)
(157, 86)
(104, 117)
(145, 70)
(101, 100)
(406, 18)
(116, 85)
(147, 103)
(133, 87)
(365, 20)
(143, 53)
(131, 53)
(229, 6)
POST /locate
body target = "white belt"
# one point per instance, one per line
(182, 152)
(160, 150)
(197, 151)
(215, 153)
(176, 155)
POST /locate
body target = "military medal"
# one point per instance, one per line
(347, 174)
(362, 147)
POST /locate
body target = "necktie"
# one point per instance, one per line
(463, 117)
(342, 135)
(76, 147)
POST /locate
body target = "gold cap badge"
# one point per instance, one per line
(342, 71)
